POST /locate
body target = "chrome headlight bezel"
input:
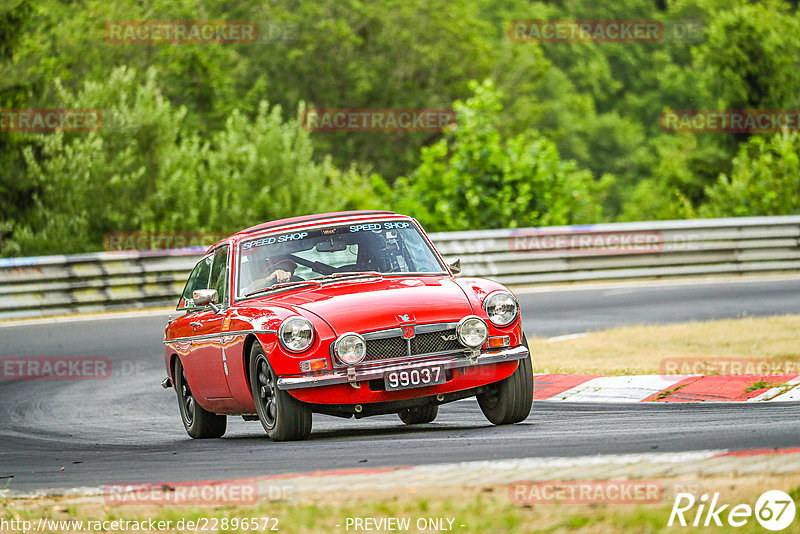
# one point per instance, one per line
(489, 305)
(289, 322)
(338, 347)
(466, 323)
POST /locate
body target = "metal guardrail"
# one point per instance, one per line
(51, 285)
(627, 250)
(54, 285)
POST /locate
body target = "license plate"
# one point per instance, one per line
(415, 377)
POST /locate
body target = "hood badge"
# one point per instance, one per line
(408, 331)
(406, 321)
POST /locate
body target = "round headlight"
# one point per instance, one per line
(472, 331)
(296, 334)
(501, 307)
(350, 348)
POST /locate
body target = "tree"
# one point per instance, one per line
(146, 169)
(474, 178)
(749, 59)
(765, 179)
(15, 191)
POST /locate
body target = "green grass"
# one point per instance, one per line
(642, 349)
(667, 392)
(478, 513)
(763, 384)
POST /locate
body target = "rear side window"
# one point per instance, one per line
(197, 280)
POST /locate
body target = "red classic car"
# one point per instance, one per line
(345, 314)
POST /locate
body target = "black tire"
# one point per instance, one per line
(509, 401)
(282, 416)
(198, 422)
(419, 415)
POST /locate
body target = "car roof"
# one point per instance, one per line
(305, 220)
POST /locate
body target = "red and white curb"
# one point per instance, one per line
(497, 472)
(478, 474)
(667, 388)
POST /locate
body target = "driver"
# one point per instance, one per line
(277, 270)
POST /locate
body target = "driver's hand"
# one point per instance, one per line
(281, 276)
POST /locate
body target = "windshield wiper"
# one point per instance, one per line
(281, 286)
(353, 274)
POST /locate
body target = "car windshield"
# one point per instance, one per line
(332, 252)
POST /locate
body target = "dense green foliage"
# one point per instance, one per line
(764, 180)
(157, 173)
(206, 136)
(474, 177)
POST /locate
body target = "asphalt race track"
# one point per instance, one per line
(567, 312)
(127, 429)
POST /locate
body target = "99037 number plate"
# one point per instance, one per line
(415, 377)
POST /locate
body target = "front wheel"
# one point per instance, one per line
(199, 423)
(510, 400)
(282, 416)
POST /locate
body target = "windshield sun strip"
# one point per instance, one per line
(268, 226)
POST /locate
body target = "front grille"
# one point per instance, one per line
(398, 347)
(386, 349)
(445, 340)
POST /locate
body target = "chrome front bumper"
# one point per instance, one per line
(360, 374)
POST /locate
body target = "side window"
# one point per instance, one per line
(197, 280)
(219, 274)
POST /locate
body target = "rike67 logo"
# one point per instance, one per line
(774, 510)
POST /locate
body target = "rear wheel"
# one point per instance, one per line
(419, 415)
(199, 423)
(282, 416)
(509, 401)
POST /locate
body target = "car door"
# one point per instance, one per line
(204, 365)
(181, 330)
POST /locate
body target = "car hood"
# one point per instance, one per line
(367, 305)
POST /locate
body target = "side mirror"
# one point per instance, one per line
(206, 297)
(455, 266)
